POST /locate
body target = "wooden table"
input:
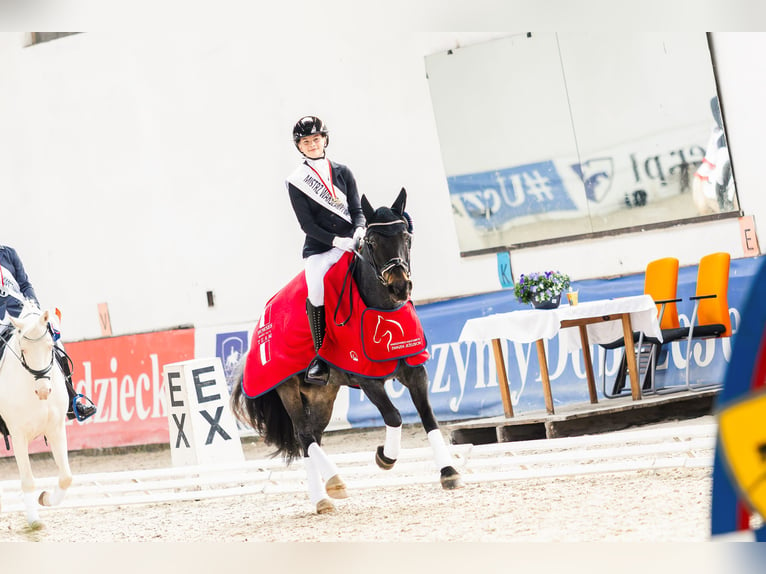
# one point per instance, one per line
(599, 321)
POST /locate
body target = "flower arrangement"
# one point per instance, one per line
(540, 286)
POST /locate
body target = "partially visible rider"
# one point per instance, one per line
(14, 288)
(713, 185)
(326, 202)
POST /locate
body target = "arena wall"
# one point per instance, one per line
(153, 169)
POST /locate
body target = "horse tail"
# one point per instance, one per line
(266, 415)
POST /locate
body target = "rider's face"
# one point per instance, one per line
(312, 146)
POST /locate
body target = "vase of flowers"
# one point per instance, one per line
(542, 289)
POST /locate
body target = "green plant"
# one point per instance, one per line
(540, 286)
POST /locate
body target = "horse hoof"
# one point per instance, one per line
(450, 478)
(336, 488)
(325, 506)
(383, 461)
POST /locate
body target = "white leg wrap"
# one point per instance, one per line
(30, 504)
(314, 480)
(393, 442)
(441, 454)
(326, 467)
(58, 496)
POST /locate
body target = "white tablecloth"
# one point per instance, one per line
(527, 326)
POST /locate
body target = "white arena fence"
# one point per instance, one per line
(689, 446)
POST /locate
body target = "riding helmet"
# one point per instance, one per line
(308, 126)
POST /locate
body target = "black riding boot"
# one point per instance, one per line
(318, 373)
(84, 410)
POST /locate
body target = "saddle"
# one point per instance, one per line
(360, 340)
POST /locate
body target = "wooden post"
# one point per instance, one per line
(544, 376)
(630, 355)
(588, 364)
(502, 378)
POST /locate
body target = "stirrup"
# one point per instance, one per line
(81, 416)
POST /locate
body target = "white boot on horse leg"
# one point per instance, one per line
(450, 478)
(386, 455)
(21, 454)
(334, 486)
(30, 507)
(48, 499)
(316, 488)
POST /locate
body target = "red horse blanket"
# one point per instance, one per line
(360, 340)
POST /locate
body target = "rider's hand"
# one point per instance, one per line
(358, 236)
(344, 243)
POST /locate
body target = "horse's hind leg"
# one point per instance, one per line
(328, 470)
(316, 487)
(58, 443)
(310, 410)
(319, 402)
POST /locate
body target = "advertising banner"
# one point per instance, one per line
(462, 375)
(123, 378)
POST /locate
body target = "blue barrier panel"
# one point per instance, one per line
(463, 380)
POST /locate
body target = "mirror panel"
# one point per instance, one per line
(551, 137)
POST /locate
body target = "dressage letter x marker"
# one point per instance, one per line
(214, 426)
(181, 434)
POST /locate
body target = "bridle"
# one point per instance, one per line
(392, 263)
(36, 373)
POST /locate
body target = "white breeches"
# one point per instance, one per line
(316, 267)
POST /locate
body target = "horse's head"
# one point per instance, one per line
(35, 345)
(387, 245)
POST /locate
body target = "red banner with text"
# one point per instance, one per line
(123, 378)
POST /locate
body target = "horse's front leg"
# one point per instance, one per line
(21, 454)
(387, 453)
(58, 441)
(416, 381)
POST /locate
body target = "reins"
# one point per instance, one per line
(349, 284)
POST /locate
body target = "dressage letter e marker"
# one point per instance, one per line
(202, 428)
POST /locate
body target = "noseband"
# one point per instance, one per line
(37, 374)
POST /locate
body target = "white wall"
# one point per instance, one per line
(143, 171)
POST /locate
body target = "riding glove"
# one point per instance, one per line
(344, 243)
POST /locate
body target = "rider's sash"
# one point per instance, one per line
(306, 179)
(9, 285)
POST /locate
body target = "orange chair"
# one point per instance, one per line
(661, 283)
(710, 317)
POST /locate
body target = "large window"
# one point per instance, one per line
(552, 137)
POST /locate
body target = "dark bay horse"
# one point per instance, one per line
(293, 415)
